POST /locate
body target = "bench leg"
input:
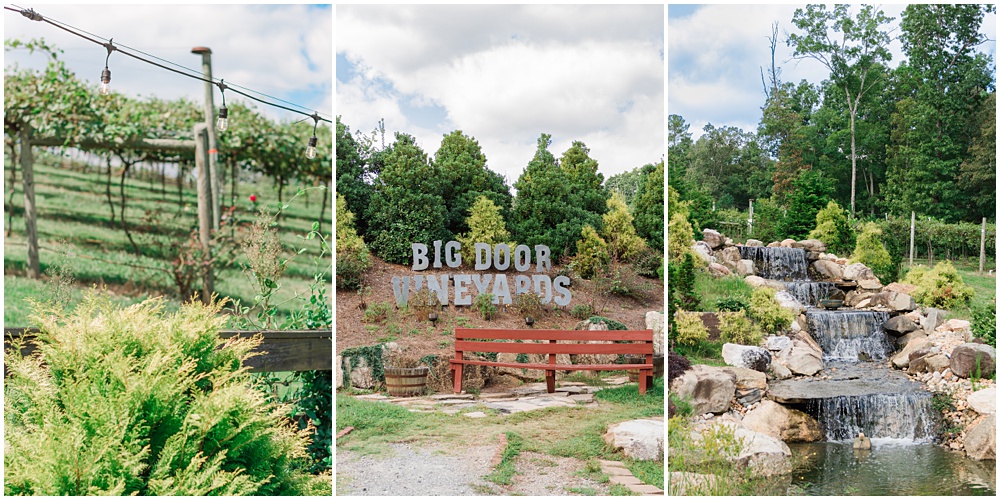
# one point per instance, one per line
(458, 379)
(550, 381)
(643, 378)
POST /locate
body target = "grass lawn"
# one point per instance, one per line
(565, 432)
(78, 238)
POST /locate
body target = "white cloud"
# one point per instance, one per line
(506, 74)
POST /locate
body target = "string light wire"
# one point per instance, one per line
(35, 16)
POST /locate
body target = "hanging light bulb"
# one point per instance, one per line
(311, 150)
(105, 88)
(223, 123)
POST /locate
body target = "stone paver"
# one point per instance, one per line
(625, 480)
(476, 414)
(645, 489)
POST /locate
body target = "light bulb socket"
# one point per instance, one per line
(312, 141)
(223, 112)
(106, 75)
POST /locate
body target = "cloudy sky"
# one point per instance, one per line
(285, 51)
(716, 52)
(506, 74)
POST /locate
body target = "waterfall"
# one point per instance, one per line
(845, 334)
(907, 415)
(778, 263)
(809, 293)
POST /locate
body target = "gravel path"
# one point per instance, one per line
(545, 475)
(413, 471)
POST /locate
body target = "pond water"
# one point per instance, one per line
(891, 467)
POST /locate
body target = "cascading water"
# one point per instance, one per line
(844, 335)
(778, 263)
(810, 293)
(905, 416)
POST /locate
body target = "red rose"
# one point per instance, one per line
(253, 198)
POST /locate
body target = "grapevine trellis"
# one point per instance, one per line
(52, 107)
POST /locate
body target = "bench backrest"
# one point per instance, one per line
(497, 340)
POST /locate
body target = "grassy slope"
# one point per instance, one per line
(74, 228)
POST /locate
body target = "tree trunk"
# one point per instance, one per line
(13, 186)
(854, 158)
(107, 190)
(121, 191)
(322, 211)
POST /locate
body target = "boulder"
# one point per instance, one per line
(902, 359)
(638, 439)
(745, 267)
(702, 249)
(787, 243)
(933, 318)
(757, 282)
(718, 270)
(750, 384)
(905, 339)
(871, 285)
(729, 257)
(774, 244)
(742, 356)
(654, 321)
(813, 245)
(983, 401)
(754, 243)
(900, 288)
(901, 302)
(777, 343)
(713, 238)
(963, 360)
(779, 370)
(899, 325)
(783, 423)
(857, 272)
(955, 325)
(811, 256)
(710, 389)
(786, 300)
(854, 297)
(981, 440)
(762, 455)
(929, 363)
(729, 242)
(864, 304)
(804, 357)
(827, 270)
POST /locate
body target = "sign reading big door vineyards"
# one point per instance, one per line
(500, 258)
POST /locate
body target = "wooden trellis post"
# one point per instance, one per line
(30, 215)
(204, 208)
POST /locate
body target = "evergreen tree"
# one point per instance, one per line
(810, 193)
(649, 221)
(486, 225)
(465, 176)
(619, 233)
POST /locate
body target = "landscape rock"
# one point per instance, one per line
(745, 267)
(779, 370)
(905, 339)
(729, 257)
(933, 318)
(638, 439)
(857, 272)
(703, 250)
(774, 244)
(963, 360)
(900, 288)
(928, 364)
(827, 270)
(955, 325)
(811, 256)
(980, 442)
(339, 378)
(813, 245)
(804, 358)
(902, 359)
(786, 424)
(742, 356)
(729, 242)
(871, 285)
(983, 401)
(718, 270)
(901, 302)
(754, 243)
(898, 326)
(710, 389)
(777, 342)
(862, 442)
(786, 300)
(788, 243)
(654, 321)
(757, 282)
(854, 297)
(713, 238)
(763, 455)
(747, 379)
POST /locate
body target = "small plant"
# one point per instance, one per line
(610, 323)
(984, 323)
(529, 304)
(423, 302)
(688, 329)
(377, 312)
(731, 304)
(484, 304)
(736, 328)
(265, 264)
(581, 311)
(942, 402)
(767, 313)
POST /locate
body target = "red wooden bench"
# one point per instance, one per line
(489, 340)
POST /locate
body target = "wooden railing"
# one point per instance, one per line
(282, 350)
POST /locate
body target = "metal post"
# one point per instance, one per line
(204, 207)
(913, 225)
(750, 220)
(206, 71)
(30, 213)
(982, 247)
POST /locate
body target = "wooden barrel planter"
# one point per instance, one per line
(633, 375)
(406, 381)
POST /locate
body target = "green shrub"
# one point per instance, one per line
(581, 311)
(870, 252)
(833, 229)
(680, 237)
(731, 304)
(610, 323)
(591, 254)
(352, 254)
(484, 304)
(941, 286)
(618, 231)
(423, 301)
(377, 312)
(648, 264)
(486, 225)
(528, 304)
(684, 287)
(688, 328)
(136, 401)
(984, 323)
(736, 328)
(767, 313)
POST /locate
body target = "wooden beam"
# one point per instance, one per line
(284, 350)
(204, 209)
(30, 211)
(160, 144)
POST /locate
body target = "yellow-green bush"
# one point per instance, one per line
(688, 328)
(680, 237)
(833, 229)
(618, 231)
(767, 313)
(352, 253)
(941, 286)
(869, 251)
(486, 225)
(736, 328)
(591, 254)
